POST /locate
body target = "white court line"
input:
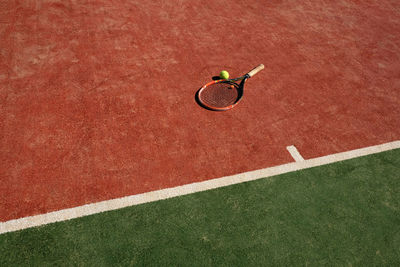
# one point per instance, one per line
(113, 204)
(295, 153)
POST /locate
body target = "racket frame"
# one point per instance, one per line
(240, 89)
(241, 86)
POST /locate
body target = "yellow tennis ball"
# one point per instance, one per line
(224, 74)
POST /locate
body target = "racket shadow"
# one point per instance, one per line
(239, 97)
(238, 87)
(196, 98)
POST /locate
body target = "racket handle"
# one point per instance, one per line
(255, 70)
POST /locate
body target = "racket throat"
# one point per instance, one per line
(241, 85)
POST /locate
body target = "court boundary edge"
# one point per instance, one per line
(118, 203)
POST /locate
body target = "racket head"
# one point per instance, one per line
(221, 95)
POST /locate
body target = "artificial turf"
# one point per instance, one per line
(347, 213)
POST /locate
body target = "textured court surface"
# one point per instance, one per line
(97, 97)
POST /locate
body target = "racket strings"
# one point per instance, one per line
(219, 95)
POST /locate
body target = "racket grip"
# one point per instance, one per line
(255, 70)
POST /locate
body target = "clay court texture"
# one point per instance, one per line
(98, 115)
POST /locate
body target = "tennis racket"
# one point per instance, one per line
(226, 93)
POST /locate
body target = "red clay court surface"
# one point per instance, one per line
(97, 97)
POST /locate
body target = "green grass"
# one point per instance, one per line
(346, 213)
